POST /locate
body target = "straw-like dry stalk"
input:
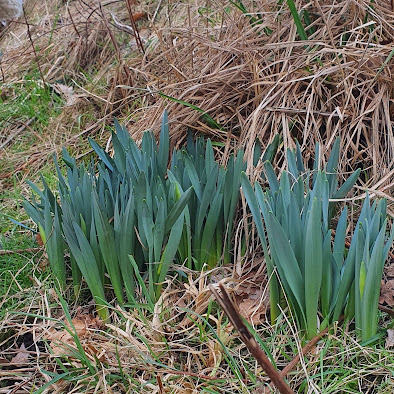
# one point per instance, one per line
(254, 80)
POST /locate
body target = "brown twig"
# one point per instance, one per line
(246, 337)
(17, 251)
(160, 384)
(72, 21)
(309, 346)
(34, 49)
(306, 349)
(111, 34)
(387, 310)
(15, 133)
(134, 26)
(20, 385)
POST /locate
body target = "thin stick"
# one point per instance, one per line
(34, 49)
(134, 26)
(18, 251)
(246, 337)
(111, 35)
(387, 310)
(306, 349)
(72, 21)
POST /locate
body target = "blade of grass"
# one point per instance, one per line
(297, 20)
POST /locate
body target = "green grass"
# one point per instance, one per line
(27, 107)
(16, 273)
(16, 270)
(140, 357)
(28, 99)
(25, 102)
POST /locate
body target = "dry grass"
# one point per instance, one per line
(254, 83)
(179, 350)
(339, 83)
(74, 56)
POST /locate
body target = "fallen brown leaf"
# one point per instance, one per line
(67, 92)
(389, 269)
(390, 339)
(22, 357)
(39, 239)
(139, 15)
(387, 293)
(252, 302)
(83, 326)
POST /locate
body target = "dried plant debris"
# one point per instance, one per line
(390, 338)
(233, 75)
(62, 341)
(128, 354)
(387, 293)
(235, 72)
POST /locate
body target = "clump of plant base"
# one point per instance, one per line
(316, 277)
(129, 218)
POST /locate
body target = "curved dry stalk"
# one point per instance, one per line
(248, 339)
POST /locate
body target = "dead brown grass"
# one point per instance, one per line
(253, 83)
(178, 349)
(76, 55)
(339, 83)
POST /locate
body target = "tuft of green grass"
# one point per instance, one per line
(16, 269)
(28, 99)
(207, 356)
(16, 272)
(27, 107)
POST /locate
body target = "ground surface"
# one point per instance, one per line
(68, 68)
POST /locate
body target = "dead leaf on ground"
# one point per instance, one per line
(390, 339)
(139, 15)
(252, 302)
(387, 293)
(39, 239)
(83, 327)
(389, 269)
(67, 92)
(22, 357)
